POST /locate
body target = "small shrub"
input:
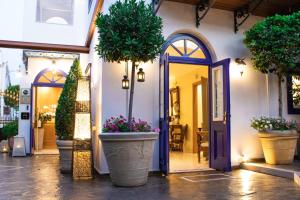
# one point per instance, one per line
(10, 130)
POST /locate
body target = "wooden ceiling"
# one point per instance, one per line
(266, 8)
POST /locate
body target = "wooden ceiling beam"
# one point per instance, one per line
(43, 46)
(92, 26)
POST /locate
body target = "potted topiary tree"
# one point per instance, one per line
(65, 118)
(129, 32)
(275, 46)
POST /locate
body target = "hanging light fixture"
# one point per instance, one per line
(241, 64)
(125, 83)
(141, 75)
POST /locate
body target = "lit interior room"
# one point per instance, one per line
(45, 101)
(188, 131)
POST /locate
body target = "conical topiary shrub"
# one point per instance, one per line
(65, 112)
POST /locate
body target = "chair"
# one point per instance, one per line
(203, 144)
(178, 133)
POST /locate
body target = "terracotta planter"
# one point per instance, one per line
(279, 146)
(65, 148)
(128, 156)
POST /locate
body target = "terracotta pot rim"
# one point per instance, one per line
(128, 136)
(278, 134)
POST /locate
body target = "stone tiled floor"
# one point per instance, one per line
(38, 177)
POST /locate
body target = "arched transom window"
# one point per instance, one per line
(50, 77)
(187, 46)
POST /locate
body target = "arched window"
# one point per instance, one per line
(50, 78)
(185, 46)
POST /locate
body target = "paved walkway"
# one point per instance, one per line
(38, 177)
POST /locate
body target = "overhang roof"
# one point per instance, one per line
(266, 8)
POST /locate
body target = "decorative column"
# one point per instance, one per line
(82, 145)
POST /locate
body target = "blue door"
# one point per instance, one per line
(164, 114)
(220, 116)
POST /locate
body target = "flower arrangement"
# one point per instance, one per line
(43, 118)
(120, 124)
(273, 124)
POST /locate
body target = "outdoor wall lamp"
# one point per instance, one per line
(141, 75)
(125, 83)
(241, 64)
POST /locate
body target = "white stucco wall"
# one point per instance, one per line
(252, 95)
(18, 22)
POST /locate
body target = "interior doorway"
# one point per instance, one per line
(188, 127)
(46, 91)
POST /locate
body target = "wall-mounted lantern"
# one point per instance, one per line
(125, 83)
(241, 64)
(141, 75)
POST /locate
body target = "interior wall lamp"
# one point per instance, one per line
(241, 64)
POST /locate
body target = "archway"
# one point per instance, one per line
(45, 91)
(194, 103)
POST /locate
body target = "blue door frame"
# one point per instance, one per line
(36, 84)
(165, 60)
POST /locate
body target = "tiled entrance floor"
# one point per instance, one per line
(38, 177)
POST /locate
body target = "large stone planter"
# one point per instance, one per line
(279, 146)
(128, 156)
(65, 148)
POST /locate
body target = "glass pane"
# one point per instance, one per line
(179, 45)
(161, 90)
(59, 78)
(217, 93)
(43, 79)
(190, 46)
(172, 52)
(296, 91)
(197, 54)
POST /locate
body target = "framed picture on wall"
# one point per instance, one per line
(293, 94)
(175, 102)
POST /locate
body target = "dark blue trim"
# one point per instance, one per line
(185, 60)
(36, 83)
(186, 36)
(41, 73)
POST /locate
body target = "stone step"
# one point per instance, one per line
(274, 170)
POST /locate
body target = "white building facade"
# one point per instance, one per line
(251, 95)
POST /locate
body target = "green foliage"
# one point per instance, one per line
(130, 31)
(44, 117)
(11, 99)
(10, 130)
(275, 44)
(65, 112)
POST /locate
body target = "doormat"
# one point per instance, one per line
(206, 177)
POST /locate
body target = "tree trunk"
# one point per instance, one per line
(131, 94)
(280, 95)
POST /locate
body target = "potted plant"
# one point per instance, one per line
(274, 45)
(128, 146)
(9, 131)
(278, 138)
(39, 130)
(65, 118)
(129, 32)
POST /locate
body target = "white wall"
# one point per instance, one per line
(18, 22)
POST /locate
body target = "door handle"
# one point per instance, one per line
(225, 117)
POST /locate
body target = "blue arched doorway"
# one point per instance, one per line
(189, 51)
(45, 91)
